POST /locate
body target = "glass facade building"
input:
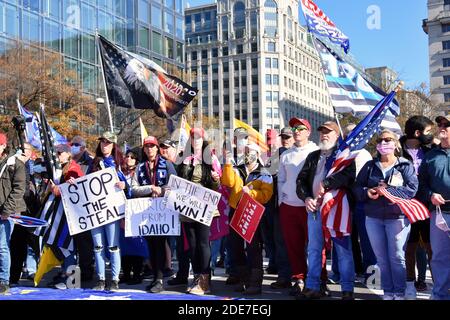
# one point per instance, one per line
(151, 28)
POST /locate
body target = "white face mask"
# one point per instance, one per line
(440, 221)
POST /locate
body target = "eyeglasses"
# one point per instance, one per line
(444, 125)
(379, 140)
(75, 144)
(299, 128)
(285, 137)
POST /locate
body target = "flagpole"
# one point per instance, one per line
(104, 81)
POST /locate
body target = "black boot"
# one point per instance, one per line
(255, 282)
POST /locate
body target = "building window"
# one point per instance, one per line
(224, 28)
(254, 46)
(275, 63)
(269, 112)
(275, 96)
(271, 46)
(268, 63)
(204, 54)
(254, 24)
(446, 80)
(143, 10)
(445, 27)
(179, 27)
(194, 55)
(157, 43)
(447, 97)
(179, 52)
(268, 96)
(268, 79)
(275, 79)
(446, 62)
(270, 18)
(225, 51)
(446, 45)
(143, 37)
(239, 19)
(156, 17)
(168, 23)
(169, 48)
(239, 49)
(225, 67)
(254, 63)
(215, 52)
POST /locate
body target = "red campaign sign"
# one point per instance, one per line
(246, 218)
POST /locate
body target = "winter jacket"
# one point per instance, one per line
(434, 177)
(402, 176)
(12, 186)
(338, 180)
(259, 181)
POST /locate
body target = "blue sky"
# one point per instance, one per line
(400, 43)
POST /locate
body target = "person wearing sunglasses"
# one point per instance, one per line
(434, 190)
(292, 211)
(387, 226)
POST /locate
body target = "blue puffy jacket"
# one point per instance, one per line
(370, 175)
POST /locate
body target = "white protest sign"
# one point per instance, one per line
(93, 201)
(149, 217)
(192, 200)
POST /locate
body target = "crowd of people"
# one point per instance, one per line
(291, 233)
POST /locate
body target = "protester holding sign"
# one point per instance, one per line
(197, 167)
(108, 154)
(150, 180)
(250, 178)
(387, 226)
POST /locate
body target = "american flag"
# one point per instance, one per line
(335, 209)
(56, 234)
(413, 209)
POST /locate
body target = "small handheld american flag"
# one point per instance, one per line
(413, 209)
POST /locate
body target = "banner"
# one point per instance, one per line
(320, 24)
(133, 81)
(246, 217)
(192, 200)
(93, 201)
(149, 217)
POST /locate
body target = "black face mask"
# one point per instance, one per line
(425, 139)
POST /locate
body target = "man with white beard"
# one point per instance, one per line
(312, 184)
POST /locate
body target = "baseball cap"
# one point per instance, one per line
(286, 131)
(169, 143)
(440, 118)
(299, 121)
(198, 131)
(150, 140)
(3, 139)
(240, 132)
(330, 125)
(62, 148)
(110, 136)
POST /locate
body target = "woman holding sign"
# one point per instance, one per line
(108, 155)
(198, 169)
(250, 178)
(150, 180)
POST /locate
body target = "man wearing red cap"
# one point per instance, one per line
(293, 216)
(12, 187)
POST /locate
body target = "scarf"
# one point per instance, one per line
(159, 176)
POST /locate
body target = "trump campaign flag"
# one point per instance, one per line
(247, 217)
(133, 81)
(320, 24)
(335, 209)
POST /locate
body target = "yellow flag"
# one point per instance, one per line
(46, 263)
(254, 136)
(144, 133)
(185, 129)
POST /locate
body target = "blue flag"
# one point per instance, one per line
(32, 129)
(350, 92)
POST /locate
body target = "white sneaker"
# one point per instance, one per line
(396, 297)
(388, 297)
(410, 292)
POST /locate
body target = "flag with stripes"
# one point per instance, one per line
(350, 92)
(335, 209)
(413, 209)
(56, 234)
(320, 24)
(32, 129)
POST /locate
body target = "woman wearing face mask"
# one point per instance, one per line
(387, 227)
(252, 179)
(150, 180)
(197, 167)
(106, 237)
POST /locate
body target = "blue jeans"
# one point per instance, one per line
(388, 238)
(440, 261)
(6, 228)
(315, 246)
(31, 261)
(368, 256)
(215, 251)
(107, 235)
